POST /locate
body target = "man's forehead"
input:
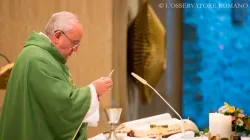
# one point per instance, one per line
(76, 31)
(78, 26)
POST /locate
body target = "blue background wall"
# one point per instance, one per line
(216, 60)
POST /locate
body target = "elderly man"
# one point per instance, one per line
(41, 101)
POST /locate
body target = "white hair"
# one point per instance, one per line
(61, 21)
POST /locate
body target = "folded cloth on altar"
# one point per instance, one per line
(124, 137)
(141, 128)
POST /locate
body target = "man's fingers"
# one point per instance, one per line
(109, 85)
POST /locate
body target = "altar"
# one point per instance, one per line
(102, 137)
(142, 131)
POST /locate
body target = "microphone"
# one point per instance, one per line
(146, 83)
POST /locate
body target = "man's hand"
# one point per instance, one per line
(102, 86)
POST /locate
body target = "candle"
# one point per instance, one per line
(220, 124)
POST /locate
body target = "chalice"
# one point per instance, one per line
(113, 117)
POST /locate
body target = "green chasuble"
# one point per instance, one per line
(41, 102)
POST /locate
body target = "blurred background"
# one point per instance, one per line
(216, 66)
(197, 58)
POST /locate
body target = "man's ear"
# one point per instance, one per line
(57, 36)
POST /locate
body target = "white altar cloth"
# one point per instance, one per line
(144, 123)
(173, 137)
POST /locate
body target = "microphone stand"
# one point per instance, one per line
(146, 83)
(182, 123)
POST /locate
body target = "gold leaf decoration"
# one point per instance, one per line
(146, 49)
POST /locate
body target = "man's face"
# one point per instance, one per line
(68, 42)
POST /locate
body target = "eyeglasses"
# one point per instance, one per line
(73, 43)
